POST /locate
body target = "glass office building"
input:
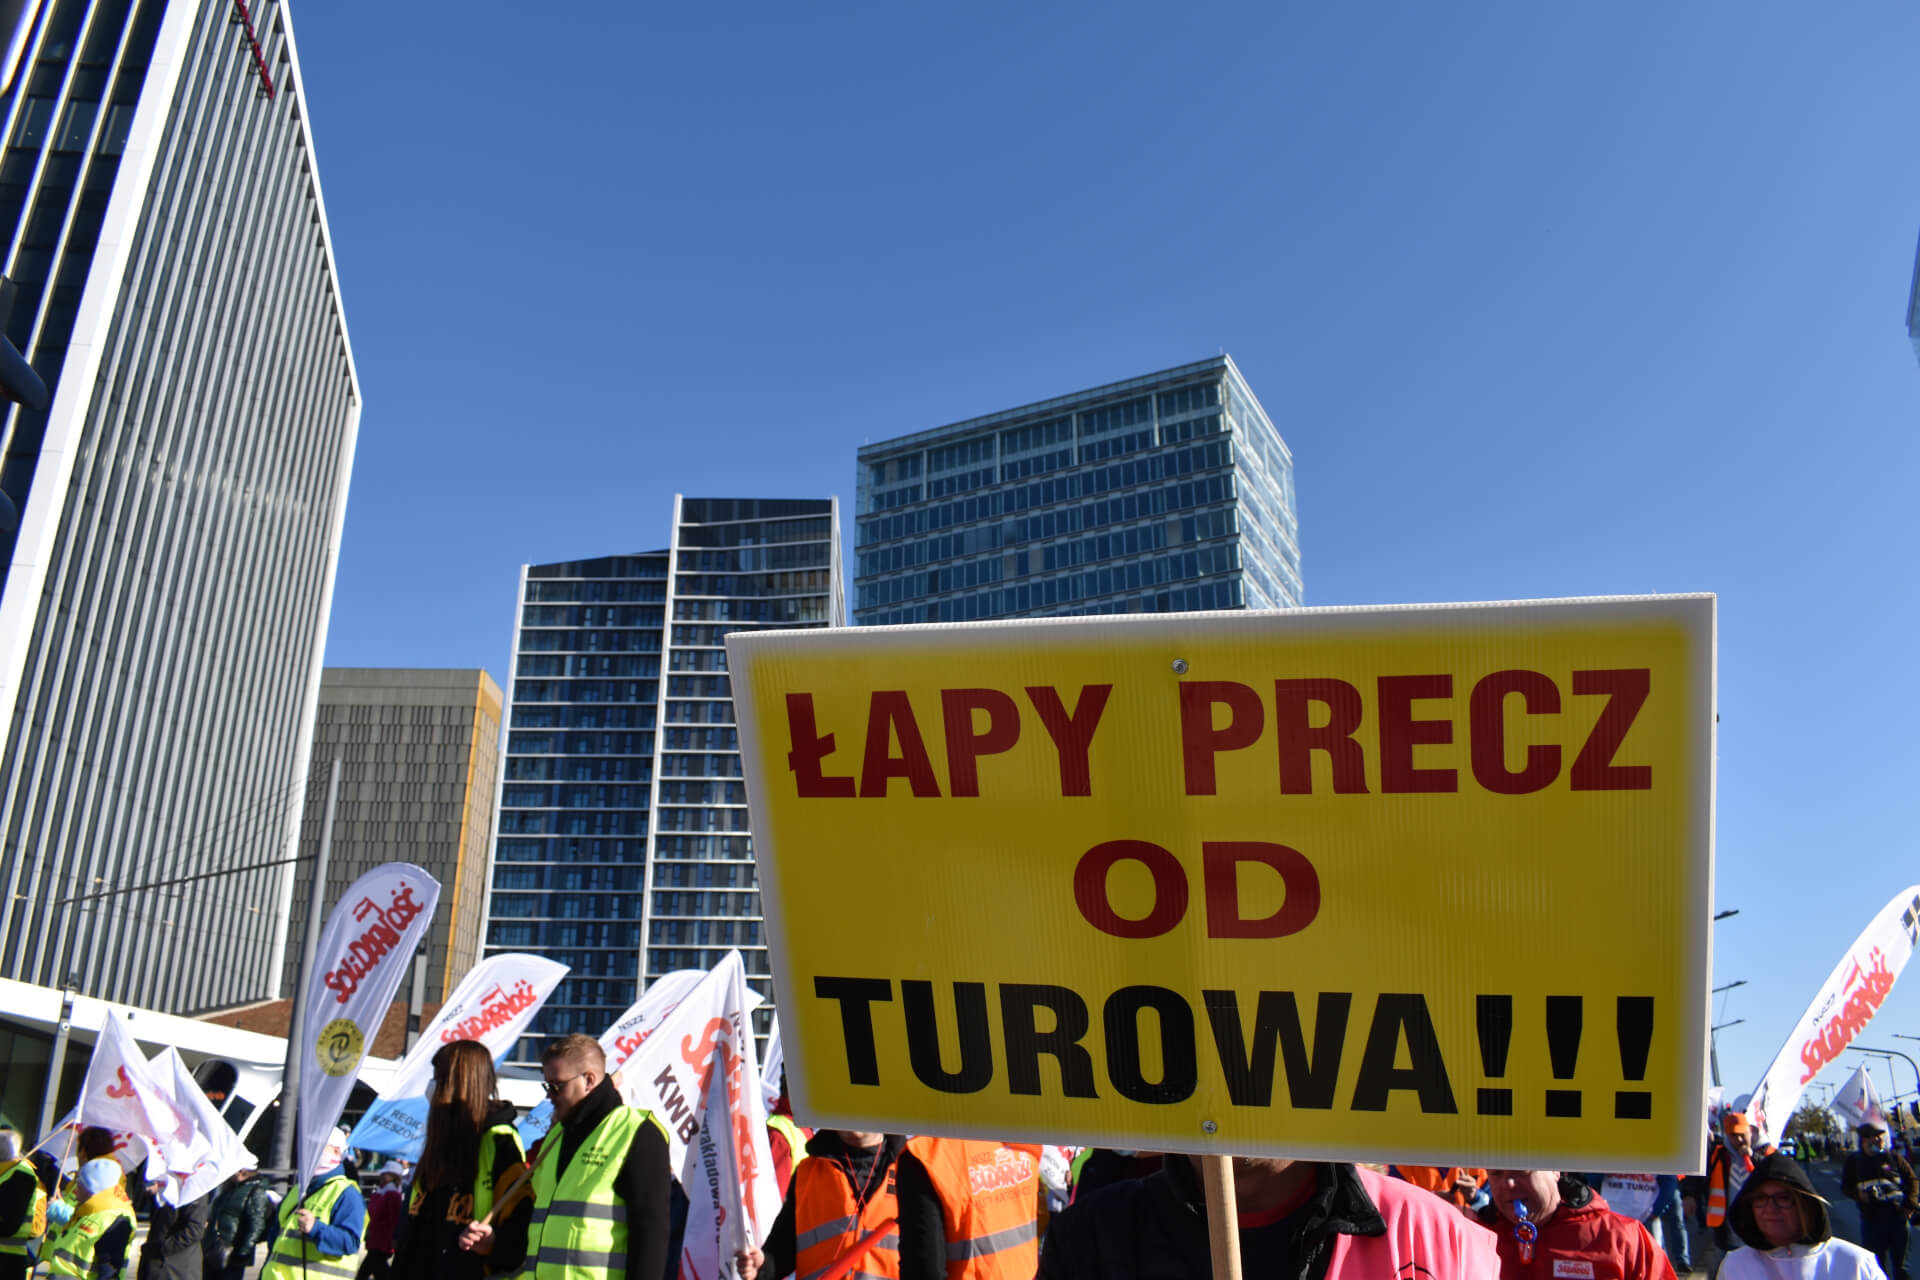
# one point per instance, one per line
(179, 502)
(1166, 492)
(624, 848)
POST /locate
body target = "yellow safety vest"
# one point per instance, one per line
(796, 1141)
(485, 1175)
(294, 1256)
(35, 1223)
(70, 1251)
(579, 1229)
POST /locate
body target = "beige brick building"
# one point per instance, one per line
(419, 753)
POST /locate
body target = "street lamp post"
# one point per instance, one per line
(1713, 1046)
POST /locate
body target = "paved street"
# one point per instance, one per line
(1846, 1214)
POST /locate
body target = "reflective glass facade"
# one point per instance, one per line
(1168, 492)
(166, 593)
(624, 849)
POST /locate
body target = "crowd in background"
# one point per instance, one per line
(595, 1200)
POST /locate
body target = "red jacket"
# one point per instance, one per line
(1583, 1240)
(384, 1210)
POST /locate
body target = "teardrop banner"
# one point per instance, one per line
(1426, 884)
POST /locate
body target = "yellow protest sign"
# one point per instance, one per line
(1423, 884)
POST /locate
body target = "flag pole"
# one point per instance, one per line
(283, 1134)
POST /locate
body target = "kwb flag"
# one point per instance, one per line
(623, 1039)
(122, 1093)
(364, 951)
(217, 1150)
(699, 1073)
(493, 1005)
(1857, 1103)
(1848, 999)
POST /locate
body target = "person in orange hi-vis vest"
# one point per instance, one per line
(840, 1217)
(988, 1194)
(1728, 1164)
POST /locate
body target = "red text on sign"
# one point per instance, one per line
(1320, 715)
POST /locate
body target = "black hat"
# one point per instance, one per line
(1783, 1169)
(1868, 1126)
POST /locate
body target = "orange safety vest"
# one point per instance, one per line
(1717, 1184)
(990, 1201)
(829, 1222)
(1440, 1181)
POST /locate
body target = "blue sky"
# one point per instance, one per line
(1548, 300)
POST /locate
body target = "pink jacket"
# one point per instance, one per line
(1425, 1236)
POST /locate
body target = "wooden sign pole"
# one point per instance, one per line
(1223, 1216)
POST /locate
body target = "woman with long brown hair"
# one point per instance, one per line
(472, 1155)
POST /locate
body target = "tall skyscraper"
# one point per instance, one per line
(624, 848)
(180, 501)
(419, 754)
(1166, 492)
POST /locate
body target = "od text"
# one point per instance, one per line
(1299, 719)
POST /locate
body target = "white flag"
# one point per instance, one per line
(631, 1029)
(771, 1069)
(700, 1075)
(1846, 1003)
(122, 1093)
(129, 1149)
(1857, 1103)
(218, 1151)
(364, 951)
(492, 1005)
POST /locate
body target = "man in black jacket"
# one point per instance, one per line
(1883, 1185)
(575, 1070)
(242, 1217)
(175, 1246)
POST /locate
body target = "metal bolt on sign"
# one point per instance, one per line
(1179, 666)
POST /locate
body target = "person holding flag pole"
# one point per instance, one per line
(601, 1182)
(471, 1159)
(318, 1237)
(93, 1244)
(358, 962)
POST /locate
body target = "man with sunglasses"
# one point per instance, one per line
(601, 1194)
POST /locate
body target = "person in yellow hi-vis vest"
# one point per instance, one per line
(600, 1178)
(93, 1242)
(23, 1208)
(471, 1158)
(320, 1228)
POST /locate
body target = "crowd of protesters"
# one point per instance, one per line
(595, 1200)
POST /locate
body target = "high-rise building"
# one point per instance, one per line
(624, 848)
(419, 754)
(1166, 492)
(180, 501)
